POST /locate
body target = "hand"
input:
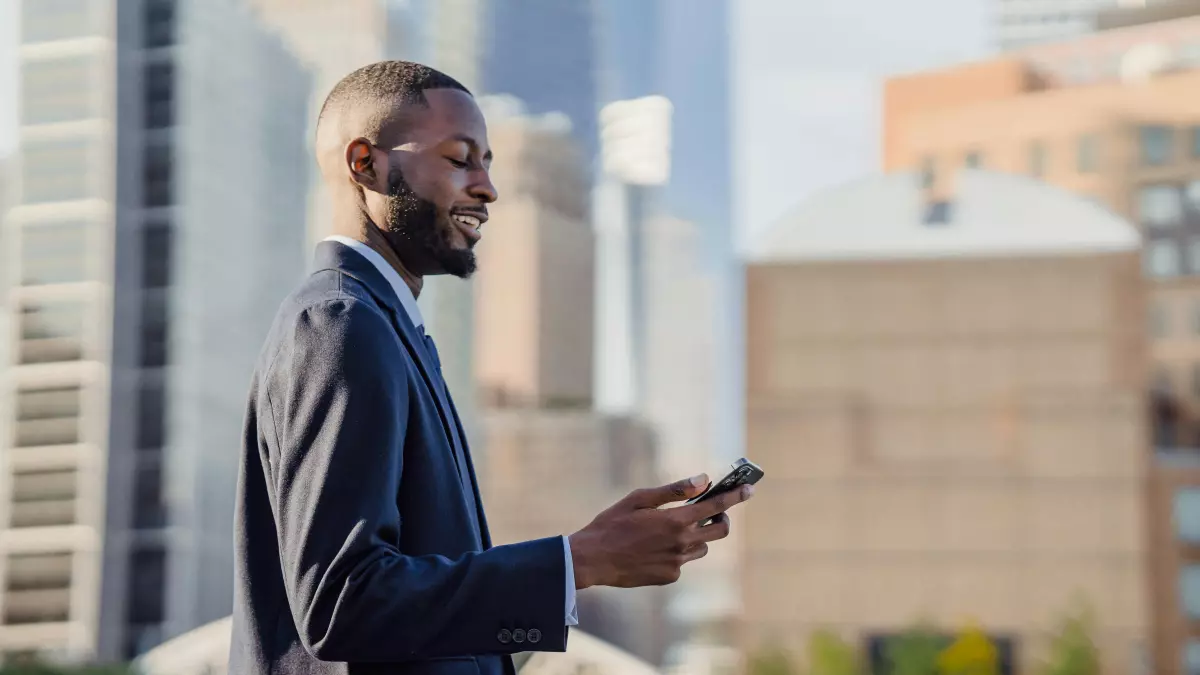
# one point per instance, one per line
(635, 543)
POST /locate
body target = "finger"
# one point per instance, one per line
(717, 529)
(695, 552)
(652, 498)
(701, 511)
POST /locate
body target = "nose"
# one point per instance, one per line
(481, 187)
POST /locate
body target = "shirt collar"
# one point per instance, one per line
(401, 289)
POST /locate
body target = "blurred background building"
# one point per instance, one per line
(954, 384)
(150, 240)
(974, 387)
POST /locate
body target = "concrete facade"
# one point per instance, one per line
(534, 292)
(1114, 117)
(950, 413)
(151, 244)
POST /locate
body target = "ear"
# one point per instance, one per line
(360, 159)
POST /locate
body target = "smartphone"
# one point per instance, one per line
(741, 472)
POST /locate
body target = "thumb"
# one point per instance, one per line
(652, 498)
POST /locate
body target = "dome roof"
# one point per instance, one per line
(205, 651)
(991, 215)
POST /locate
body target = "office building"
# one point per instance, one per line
(543, 52)
(534, 292)
(635, 159)
(1113, 117)
(333, 39)
(948, 391)
(548, 462)
(1021, 24)
(160, 187)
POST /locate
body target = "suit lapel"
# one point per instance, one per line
(335, 256)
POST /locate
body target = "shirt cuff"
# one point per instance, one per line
(572, 611)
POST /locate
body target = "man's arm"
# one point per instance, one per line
(338, 400)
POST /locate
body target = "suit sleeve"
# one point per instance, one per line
(338, 397)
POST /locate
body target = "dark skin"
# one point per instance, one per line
(406, 195)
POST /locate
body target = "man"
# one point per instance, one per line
(361, 541)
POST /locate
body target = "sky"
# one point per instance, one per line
(806, 80)
(807, 88)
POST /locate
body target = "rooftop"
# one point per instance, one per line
(991, 215)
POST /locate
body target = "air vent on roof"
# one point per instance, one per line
(937, 213)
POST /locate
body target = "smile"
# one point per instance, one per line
(468, 221)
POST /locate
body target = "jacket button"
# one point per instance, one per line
(534, 635)
(519, 635)
(504, 636)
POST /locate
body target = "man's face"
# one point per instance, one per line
(438, 186)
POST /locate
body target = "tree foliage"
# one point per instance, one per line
(1072, 651)
(829, 654)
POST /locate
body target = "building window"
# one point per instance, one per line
(38, 588)
(159, 99)
(154, 330)
(147, 581)
(46, 20)
(51, 331)
(1160, 206)
(1191, 195)
(156, 178)
(149, 511)
(1087, 156)
(159, 23)
(1187, 514)
(973, 160)
(43, 498)
(938, 213)
(1194, 256)
(48, 416)
(156, 255)
(1189, 591)
(59, 170)
(61, 89)
(1191, 658)
(54, 253)
(1159, 321)
(1154, 144)
(1162, 259)
(1037, 159)
(152, 414)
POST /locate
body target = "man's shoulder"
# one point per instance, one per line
(329, 311)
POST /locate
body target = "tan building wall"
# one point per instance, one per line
(1055, 127)
(948, 439)
(534, 293)
(550, 472)
(1089, 103)
(1175, 628)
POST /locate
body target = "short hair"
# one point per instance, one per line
(404, 81)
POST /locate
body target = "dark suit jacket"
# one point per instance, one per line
(361, 545)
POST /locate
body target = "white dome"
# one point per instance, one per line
(205, 651)
(991, 215)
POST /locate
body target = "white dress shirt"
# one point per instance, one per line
(404, 293)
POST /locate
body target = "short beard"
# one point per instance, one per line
(415, 222)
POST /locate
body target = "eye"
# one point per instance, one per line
(458, 164)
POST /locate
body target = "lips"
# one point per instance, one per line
(469, 222)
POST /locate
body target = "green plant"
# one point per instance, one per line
(771, 661)
(1072, 651)
(914, 652)
(829, 654)
(972, 653)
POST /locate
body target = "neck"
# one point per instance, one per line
(357, 225)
